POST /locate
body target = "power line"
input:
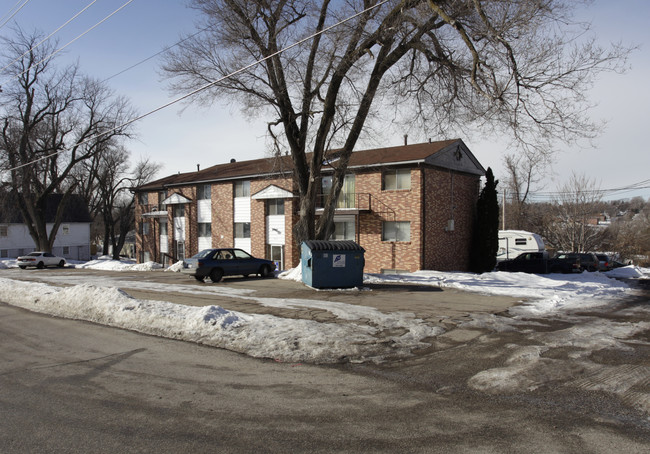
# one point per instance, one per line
(78, 37)
(155, 55)
(15, 12)
(49, 36)
(204, 87)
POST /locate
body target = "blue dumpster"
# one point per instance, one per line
(332, 264)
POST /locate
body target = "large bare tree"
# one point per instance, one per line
(505, 65)
(51, 119)
(577, 204)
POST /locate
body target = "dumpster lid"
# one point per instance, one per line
(331, 245)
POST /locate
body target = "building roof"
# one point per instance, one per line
(75, 210)
(446, 154)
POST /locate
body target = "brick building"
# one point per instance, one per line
(410, 207)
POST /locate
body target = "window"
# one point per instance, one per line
(343, 230)
(162, 195)
(346, 197)
(4, 253)
(145, 228)
(143, 198)
(243, 189)
(274, 207)
(66, 250)
(396, 231)
(242, 229)
(397, 179)
(163, 228)
(205, 229)
(179, 211)
(65, 229)
(204, 192)
(4, 230)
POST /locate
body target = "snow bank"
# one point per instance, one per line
(176, 267)
(262, 336)
(118, 265)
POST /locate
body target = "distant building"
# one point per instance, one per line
(72, 240)
(410, 207)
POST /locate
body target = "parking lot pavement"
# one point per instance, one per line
(430, 303)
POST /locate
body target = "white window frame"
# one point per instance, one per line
(396, 231)
(396, 180)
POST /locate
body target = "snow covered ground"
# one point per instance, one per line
(294, 340)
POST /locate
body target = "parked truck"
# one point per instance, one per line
(512, 243)
(540, 263)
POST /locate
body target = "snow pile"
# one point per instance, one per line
(627, 272)
(294, 274)
(176, 267)
(118, 265)
(262, 336)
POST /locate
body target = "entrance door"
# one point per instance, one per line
(276, 253)
(180, 250)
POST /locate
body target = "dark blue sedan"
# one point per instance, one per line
(217, 263)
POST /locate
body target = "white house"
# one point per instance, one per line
(72, 240)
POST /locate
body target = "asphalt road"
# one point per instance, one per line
(69, 386)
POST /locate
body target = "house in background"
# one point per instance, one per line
(72, 240)
(410, 207)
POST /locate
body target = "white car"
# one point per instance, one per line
(40, 260)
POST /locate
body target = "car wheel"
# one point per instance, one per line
(22, 267)
(61, 264)
(216, 275)
(199, 278)
(265, 271)
(40, 265)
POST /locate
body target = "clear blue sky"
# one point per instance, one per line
(180, 139)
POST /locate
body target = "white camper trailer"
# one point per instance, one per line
(515, 242)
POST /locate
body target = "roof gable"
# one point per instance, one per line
(272, 192)
(175, 199)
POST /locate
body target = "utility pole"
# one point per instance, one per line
(503, 208)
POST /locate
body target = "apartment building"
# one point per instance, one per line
(411, 207)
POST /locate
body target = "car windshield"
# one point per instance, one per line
(203, 254)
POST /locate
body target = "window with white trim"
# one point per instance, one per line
(242, 189)
(274, 207)
(396, 179)
(205, 229)
(204, 192)
(396, 231)
(242, 229)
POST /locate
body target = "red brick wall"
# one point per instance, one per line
(449, 195)
(223, 234)
(399, 205)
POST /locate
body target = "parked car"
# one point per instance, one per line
(216, 263)
(40, 259)
(539, 263)
(605, 263)
(588, 260)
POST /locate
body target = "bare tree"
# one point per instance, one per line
(503, 65)
(524, 173)
(577, 205)
(52, 120)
